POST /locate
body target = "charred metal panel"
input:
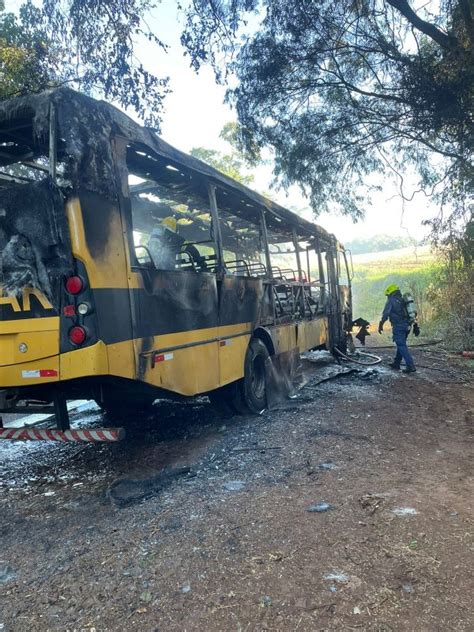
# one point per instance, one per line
(240, 300)
(97, 215)
(178, 301)
(113, 314)
(34, 239)
(85, 129)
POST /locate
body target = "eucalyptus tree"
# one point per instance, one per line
(344, 89)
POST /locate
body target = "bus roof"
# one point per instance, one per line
(85, 126)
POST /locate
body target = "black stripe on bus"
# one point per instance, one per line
(158, 316)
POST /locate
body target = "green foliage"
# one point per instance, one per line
(412, 275)
(452, 295)
(340, 90)
(379, 243)
(28, 59)
(230, 164)
(89, 44)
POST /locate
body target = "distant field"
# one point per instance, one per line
(413, 269)
(406, 256)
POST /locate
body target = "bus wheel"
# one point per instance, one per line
(251, 392)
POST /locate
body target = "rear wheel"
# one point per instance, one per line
(250, 394)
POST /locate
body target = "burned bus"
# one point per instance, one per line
(131, 271)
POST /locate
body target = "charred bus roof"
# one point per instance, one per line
(84, 128)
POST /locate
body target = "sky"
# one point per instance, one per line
(196, 113)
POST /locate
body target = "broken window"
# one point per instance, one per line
(34, 238)
(283, 258)
(242, 241)
(171, 220)
(342, 270)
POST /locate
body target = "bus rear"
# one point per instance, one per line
(35, 255)
(48, 332)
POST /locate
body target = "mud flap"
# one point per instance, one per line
(282, 375)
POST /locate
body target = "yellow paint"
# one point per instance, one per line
(85, 362)
(11, 376)
(231, 359)
(121, 357)
(191, 371)
(41, 344)
(110, 270)
(284, 337)
(311, 333)
(12, 301)
(30, 291)
(28, 325)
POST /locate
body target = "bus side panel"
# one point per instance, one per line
(241, 308)
(85, 362)
(98, 242)
(234, 341)
(175, 330)
(312, 333)
(43, 371)
(285, 337)
(187, 371)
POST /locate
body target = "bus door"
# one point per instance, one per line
(173, 256)
(340, 310)
(345, 289)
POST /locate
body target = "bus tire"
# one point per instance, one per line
(251, 392)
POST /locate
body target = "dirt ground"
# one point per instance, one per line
(200, 522)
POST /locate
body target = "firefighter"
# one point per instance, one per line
(395, 310)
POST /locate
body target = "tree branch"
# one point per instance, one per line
(445, 41)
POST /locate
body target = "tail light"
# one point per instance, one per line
(74, 285)
(78, 318)
(77, 335)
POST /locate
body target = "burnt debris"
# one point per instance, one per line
(34, 240)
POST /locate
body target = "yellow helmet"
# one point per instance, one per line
(391, 289)
(170, 222)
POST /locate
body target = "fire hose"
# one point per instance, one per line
(376, 359)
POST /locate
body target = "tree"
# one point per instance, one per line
(344, 89)
(89, 44)
(231, 163)
(28, 60)
(378, 243)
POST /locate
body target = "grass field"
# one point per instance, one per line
(413, 269)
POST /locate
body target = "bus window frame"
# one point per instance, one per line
(257, 219)
(121, 145)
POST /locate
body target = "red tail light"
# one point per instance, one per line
(74, 285)
(77, 335)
